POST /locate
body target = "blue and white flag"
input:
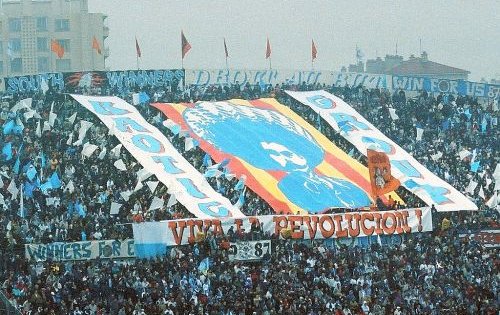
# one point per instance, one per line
(241, 183)
(207, 160)
(55, 182)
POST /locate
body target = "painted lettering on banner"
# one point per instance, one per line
(158, 156)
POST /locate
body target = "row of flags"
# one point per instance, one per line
(58, 49)
(186, 47)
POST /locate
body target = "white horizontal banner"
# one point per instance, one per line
(151, 238)
(362, 134)
(158, 156)
(86, 250)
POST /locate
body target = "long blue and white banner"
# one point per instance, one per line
(158, 156)
(362, 134)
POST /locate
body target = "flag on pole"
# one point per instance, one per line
(225, 48)
(137, 48)
(314, 51)
(96, 45)
(185, 45)
(56, 48)
(268, 49)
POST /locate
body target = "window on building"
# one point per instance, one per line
(14, 25)
(16, 65)
(63, 64)
(42, 24)
(65, 44)
(62, 25)
(42, 44)
(43, 64)
(15, 45)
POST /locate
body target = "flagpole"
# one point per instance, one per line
(137, 60)
(227, 67)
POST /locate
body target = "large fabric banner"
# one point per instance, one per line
(86, 250)
(158, 156)
(249, 250)
(152, 238)
(286, 161)
(363, 135)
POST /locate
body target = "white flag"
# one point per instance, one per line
(44, 86)
(135, 99)
(13, 189)
(88, 149)
(70, 186)
(138, 186)
(188, 144)
(72, 118)
(119, 164)
(157, 203)
(2, 200)
(171, 201)
(26, 103)
(125, 195)
(481, 193)
(52, 119)
(471, 187)
(38, 130)
(115, 152)
(493, 201)
(420, 133)
(70, 139)
(464, 153)
(152, 185)
(102, 154)
(393, 114)
(46, 126)
(84, 127)
(436, 156)
(115, 208)
(143, 174)
(29, 114)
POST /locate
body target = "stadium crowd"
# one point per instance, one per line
(431, 273)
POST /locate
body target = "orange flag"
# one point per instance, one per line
(57, 48)
(96, 46)
(185, 46)
(379, 168)
(268, 49)
(314, 51)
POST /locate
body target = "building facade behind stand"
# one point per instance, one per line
(28, 26)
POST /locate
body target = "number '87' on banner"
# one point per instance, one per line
(250, 250)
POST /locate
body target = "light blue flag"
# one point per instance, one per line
(241, 200)
(175, 129)
(7, 151)
(8, 127)
(45, 187)
(55, 182)
(17, 165)
(484, 125)
(207, 160)
(351, 153)
(31, 172)
(80, 210)
(241, 183)
(211, 172)
(224, 163)
(143, 97)
(467, 113)
(204, 265)
(475, 166)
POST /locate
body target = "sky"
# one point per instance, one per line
(463, 34)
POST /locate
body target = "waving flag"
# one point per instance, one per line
(96, 45)
(137, 48)
(184, 45)
(56, 48)
(314, 51)
(268, 49)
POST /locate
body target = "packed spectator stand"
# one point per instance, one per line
(428, 273)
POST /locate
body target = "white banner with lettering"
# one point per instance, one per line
(362, 134)
(85, 250)
(152, 238)
(159, 157)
